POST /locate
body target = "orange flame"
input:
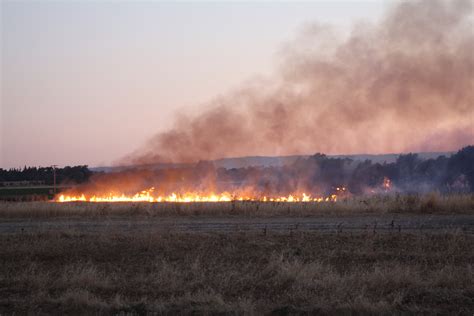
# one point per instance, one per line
(149, 196)
(387, 184)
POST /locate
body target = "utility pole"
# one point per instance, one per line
(54, 179)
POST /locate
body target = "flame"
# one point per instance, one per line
(387, 184)
(149, 196)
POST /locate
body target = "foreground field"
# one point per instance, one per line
(382, 255)
(279, 273)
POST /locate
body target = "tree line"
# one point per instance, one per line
(319, 173)
(45, 175)
(315, 174)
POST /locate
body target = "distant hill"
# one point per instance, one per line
(388, 158)
(267, 161)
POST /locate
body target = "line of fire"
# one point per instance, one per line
(202, 182)
(316, 178)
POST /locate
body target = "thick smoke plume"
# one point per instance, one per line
(404, 84)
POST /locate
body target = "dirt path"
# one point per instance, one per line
(385, 223)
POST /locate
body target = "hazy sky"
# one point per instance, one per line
(88, 82)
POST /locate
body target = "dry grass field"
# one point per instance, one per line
(280, 274)
(148, 270)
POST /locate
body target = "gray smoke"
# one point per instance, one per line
(397, 86)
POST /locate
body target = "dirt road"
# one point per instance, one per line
(385, 223)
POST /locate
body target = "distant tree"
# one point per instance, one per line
(76, 174)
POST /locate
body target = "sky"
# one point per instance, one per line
(87, 82)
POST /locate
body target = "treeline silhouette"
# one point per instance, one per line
(319, 173)
(322, 174)
(44, 175)
(315, 175)
(411, 174)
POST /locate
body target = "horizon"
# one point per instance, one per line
(439, 153)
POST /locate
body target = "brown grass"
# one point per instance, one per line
(150, 273)
(411, 204)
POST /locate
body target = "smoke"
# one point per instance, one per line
(317, 175)
(389, 87)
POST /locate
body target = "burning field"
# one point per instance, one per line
(398, 85)
(316, 178)
(149, 196)
(170, 229)
(319, 235)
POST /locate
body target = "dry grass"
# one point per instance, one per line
(411, 204)
(149, 273)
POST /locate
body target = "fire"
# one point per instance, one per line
(387, 184)
(149, 196)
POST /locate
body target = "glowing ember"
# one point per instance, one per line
(149, 196)
(387, 184)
